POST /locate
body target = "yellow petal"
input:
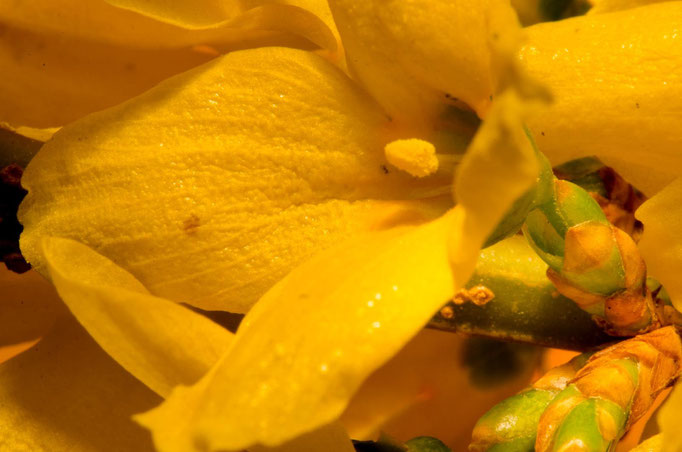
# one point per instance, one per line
(103, 23)
(499, 166)
(309, 18)
(160, 342)
(66, 395)
(410, 54)
(308, 344)
(661, 243)
(48, 80)
(422, 391)
(28, 307)
(61, 60)
(195, 14)
(653, 444)
(616, 83)
(214, 185)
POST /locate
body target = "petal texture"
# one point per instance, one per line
(66, 395)
(617, 86)
(160, 342)
(409, 54)
(307, 345)
(215, 184)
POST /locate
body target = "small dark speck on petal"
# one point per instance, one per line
(191, 224)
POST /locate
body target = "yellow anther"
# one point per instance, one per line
(414, 156)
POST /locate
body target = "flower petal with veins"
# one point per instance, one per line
(215, 184)
(616, 83)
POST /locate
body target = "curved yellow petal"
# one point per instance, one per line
(160, 342)
(104, 23)
(616, 83)
(214, 185)
(294, 16)
(195, 14)
(499, 166)
(410, 54)
(308, 344)
(66, 395)
(661, 242)
(28, 307)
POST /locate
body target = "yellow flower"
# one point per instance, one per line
(210, 188)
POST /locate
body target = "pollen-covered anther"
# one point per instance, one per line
(414, 156)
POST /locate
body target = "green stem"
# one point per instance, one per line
(526, 307)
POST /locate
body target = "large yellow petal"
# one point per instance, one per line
(160, 342)
(661, 242)
(308, 344)
(410, 54)
(617, 86)
(294, 16)
(66, 395)
(28, 307)
(195, 14)
(214, 185)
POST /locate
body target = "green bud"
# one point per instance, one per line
(512, 424)
(426, 444)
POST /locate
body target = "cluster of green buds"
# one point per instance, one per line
(571, 407)
(592, 262)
